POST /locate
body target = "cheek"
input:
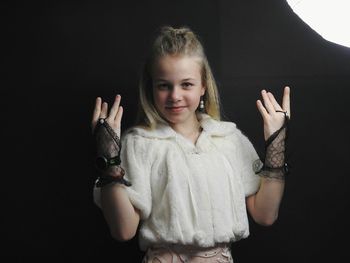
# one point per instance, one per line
(195, 98)
(159, 98)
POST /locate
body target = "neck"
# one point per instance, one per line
(190, 129)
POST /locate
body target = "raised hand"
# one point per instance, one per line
(113, 118)
(273, 120)
(106, 128)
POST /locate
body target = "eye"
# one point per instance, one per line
(163, 86)
(187, 84)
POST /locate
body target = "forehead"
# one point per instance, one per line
(176, 66)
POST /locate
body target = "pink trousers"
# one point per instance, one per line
(188, 254)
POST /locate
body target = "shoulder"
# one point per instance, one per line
(146, 144)
(161, 131)
(145, 139)
(226, 133)
(216, 127)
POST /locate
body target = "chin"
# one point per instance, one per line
(178, 117)
(174, 118)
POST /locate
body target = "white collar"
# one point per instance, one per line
(209, 125)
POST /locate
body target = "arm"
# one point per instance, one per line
(264, 205)
(121, 217)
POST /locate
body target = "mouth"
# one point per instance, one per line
(175, 109)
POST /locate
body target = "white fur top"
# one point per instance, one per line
(189, 194)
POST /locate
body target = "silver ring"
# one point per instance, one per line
(101, 120)
(285, 112)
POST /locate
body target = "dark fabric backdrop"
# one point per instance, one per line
(58, 56)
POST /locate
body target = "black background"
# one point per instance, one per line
(57, 56)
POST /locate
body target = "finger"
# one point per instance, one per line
(262, 110)
(114, 108)
(286, 100)
(268, 105)
(104, 110)
(118, 117)
(96, 112)
(273, 101)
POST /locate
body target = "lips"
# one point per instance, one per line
(175, 109)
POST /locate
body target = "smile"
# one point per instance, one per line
(175, 109)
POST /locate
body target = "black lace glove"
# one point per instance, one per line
(275, 164)
(108, 161)
(107, 141)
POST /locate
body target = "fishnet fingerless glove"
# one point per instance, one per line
(275, 165)
(108, 146)
(107, 141)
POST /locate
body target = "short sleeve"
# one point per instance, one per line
(137, 170)
(246, 157)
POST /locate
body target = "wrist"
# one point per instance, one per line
(103, 163)
(274, 172)
(112, 175)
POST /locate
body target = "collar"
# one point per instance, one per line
(209, 125)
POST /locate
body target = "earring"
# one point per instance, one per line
(201, 105)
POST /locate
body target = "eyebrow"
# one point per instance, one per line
(187, 79)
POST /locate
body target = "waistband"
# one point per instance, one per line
(191, 249)
(186, 252)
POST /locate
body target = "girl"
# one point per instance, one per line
(184, 178)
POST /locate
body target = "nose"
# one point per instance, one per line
(175, 94)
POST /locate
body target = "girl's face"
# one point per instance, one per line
(177, 88)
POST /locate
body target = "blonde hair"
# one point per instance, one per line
(175, 41)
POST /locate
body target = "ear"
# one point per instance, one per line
(203, 89)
